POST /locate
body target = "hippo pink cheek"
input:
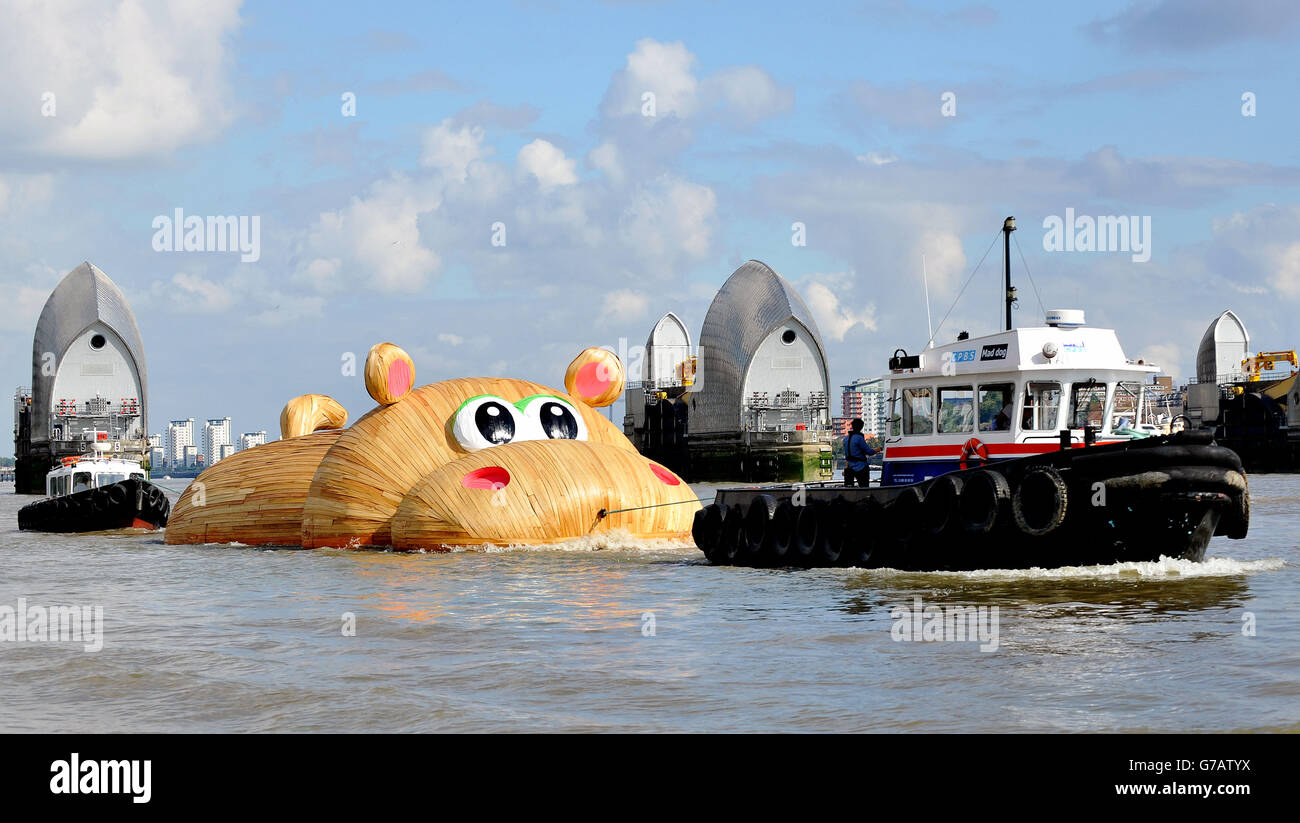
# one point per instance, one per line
(488, 477)
(666, 476)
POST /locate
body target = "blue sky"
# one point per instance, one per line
(377, 226)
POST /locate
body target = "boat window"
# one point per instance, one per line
(997, 406)
(1128, 410)
(1041, 403)
(1087, 404)
(956, 409)
(109, 478)
(918, 411)
(895, 418)
(80, 482)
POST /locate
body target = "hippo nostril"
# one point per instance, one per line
(488, 477)
(665, 475)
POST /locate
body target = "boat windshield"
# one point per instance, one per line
(109, 478)
(1042, 400)
(80, 482)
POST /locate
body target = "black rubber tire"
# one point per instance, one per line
(939, 508)
(1136, 459)
(1238, 517)
(860, 534)
(781, 534)
(984, 501)
(728, 549)
(833, 520)
(1040, 501)
(707, 528)
(807, 533)
(902, 515)
(117, 494)
(754, 528)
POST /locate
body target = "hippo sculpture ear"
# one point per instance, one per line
(595, 377)
(308, 413)
(390, 373)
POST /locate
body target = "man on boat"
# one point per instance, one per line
(856, 453)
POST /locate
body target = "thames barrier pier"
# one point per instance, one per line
(88, 375)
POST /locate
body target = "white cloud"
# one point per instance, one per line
(1168, 356)
(377, 237)
(605, 158)
(193, 294)
(127, 79)
(748, 93)
(547, 163)
(833, 318)
(745, 94)
(1259, 248)
(624, 306)
(450, 149)
(664, 69)
(450, 339)
(670, 214)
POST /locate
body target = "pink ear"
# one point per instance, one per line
(399, 378)
(591, 380)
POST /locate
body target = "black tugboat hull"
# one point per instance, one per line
(129, 504)
(1123, 502)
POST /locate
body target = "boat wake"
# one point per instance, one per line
(1164, 568)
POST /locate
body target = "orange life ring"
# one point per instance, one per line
(974, 448)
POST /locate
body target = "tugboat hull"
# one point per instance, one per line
(128, 504)
(1134, 501)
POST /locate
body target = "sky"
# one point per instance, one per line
(497, 186)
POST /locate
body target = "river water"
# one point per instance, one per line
(621, 636)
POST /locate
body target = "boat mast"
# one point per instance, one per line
(1008, 226)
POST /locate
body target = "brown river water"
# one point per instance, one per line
(617, 635)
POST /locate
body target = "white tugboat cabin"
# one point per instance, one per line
(1010, 394)
(91, 471)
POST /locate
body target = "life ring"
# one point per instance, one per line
(974, 448)
(1040, 501)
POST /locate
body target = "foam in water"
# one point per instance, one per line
(1165, 567)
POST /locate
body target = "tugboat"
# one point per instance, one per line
(94, 492)
(1003, 451)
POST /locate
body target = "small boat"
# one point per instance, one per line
(94, 492)
(1001, 452)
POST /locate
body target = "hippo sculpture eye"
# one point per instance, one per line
(486, 421)
(556, 418)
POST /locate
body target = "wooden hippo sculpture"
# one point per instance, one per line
(462, 462)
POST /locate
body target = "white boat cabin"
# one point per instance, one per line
(1009, 394)
(91, 471)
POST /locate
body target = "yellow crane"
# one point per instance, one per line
(1264, 361)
